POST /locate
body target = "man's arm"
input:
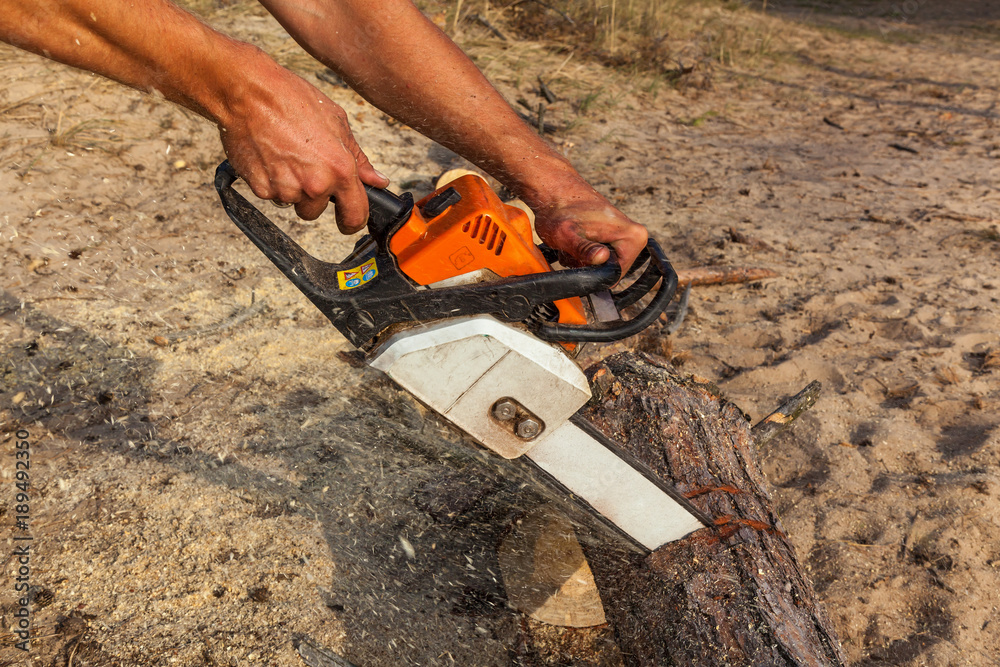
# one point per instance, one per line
(288, 140)
(399, 61)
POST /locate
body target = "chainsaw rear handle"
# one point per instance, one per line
(363, 311)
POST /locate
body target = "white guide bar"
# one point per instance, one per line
(612, 487)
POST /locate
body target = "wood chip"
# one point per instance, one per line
(947, 375)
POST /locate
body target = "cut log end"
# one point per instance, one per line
(545, 573)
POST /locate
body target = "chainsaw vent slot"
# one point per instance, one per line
(503, 237)
(487, 232)
(487, 223)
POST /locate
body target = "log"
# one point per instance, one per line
(730, 595)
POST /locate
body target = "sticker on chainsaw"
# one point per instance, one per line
(357, 276)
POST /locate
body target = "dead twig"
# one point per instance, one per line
(237, 318)
(950, 215)
(549, 128)
(549, 96)
(69, 661)
(778, 421)
(483, 21)
(720, 275)
(904, 148)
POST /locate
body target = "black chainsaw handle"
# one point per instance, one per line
(658, 269)
(362, 312)
(391, 298)
(386, 211)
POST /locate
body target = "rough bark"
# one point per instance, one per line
(729, 595)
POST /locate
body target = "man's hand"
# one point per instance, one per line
(292, 144)
(580, 223)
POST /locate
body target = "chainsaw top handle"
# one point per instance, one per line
(368, 293)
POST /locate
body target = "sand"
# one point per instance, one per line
(215, 500)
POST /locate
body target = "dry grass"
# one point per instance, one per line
(665, 39)
(656, 35)
(53, 129)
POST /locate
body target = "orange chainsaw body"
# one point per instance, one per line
(477, 232)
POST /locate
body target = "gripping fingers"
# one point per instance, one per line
(629, 246)
(583, 233)
(351, 205)
(310, 209)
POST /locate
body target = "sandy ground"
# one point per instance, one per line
(215, 500)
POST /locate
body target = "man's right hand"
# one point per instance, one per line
(292, 144)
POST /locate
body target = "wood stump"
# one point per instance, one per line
(729, 595)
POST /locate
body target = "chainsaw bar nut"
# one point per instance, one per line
(505, 409)
(514, 417)
(528, 428)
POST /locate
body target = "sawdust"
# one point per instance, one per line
(213, 500)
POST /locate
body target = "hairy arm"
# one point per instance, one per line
(399, 61)
(282, 135)
(288, 140)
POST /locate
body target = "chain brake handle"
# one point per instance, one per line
(361, 313)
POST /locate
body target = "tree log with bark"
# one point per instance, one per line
(733, 594)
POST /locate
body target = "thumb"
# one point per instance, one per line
(589, 253)
(578, 250)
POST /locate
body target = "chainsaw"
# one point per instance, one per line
(451, 298)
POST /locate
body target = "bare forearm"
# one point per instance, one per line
(148, 44)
